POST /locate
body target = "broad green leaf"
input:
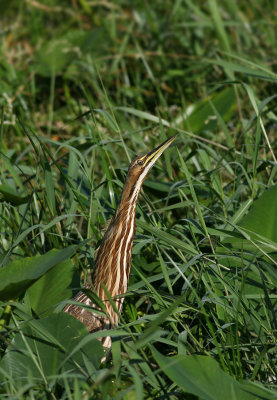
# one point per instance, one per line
(202, 376)
(262, 217)
(260, 224)
(203, 116)
(46, 349)
(52, 288)
(10, 195)
(16, 277)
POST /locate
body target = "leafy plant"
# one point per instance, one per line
(84, 88)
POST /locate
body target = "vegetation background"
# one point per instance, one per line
(85, 86)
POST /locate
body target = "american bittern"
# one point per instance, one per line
(113, 257)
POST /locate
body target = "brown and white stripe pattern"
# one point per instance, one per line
(112, 268)
(113, 258)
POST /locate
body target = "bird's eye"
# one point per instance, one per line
(140, 162)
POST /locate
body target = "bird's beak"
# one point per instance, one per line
(151, 158)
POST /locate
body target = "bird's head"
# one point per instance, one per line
(141, 165)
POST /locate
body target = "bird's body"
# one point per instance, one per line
(113, 257)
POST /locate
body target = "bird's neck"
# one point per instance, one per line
(129, 196)
(126, 211)
(113, 260)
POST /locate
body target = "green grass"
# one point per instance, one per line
(84, 88)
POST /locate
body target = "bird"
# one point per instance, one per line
(113, 257)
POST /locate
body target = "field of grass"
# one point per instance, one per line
(84, 87)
